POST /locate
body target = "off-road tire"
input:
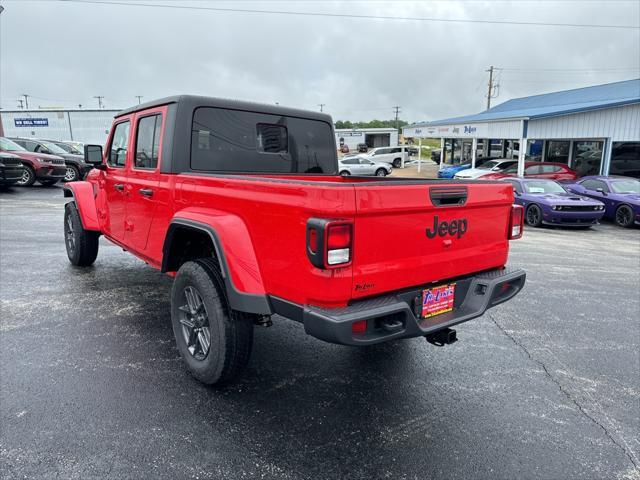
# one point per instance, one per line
(83, 250)
(231, 332)
(28, 177)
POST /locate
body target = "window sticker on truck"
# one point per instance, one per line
(438, 300)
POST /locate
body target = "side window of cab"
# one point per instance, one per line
(119, 145)
(148, 142)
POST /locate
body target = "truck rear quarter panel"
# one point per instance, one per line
(269, 216)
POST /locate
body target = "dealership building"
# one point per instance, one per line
(87, 126)
(594, 130)
(372, 137)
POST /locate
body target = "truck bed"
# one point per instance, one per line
(391, 248)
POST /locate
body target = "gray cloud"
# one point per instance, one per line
(65, 53)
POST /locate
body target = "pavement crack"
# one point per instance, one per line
(565, 392)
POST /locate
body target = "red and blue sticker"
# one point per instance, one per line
(438, 300)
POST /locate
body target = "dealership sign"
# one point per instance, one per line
(448, 131)
(31, 122)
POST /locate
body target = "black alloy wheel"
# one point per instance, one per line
(534, 216)
(194, 321)
(624, 216)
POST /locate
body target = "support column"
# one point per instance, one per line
(442, 153)
(570, 159)
(605, 164)
(474, 148)
(419, 153)
(521, 157)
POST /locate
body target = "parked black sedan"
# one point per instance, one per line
(77, 169)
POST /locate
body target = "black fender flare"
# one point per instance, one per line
(240, 301)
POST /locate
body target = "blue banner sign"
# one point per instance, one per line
(31, 122)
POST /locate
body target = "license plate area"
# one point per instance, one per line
(437, 300)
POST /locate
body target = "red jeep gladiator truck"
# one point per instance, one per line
(242, 203)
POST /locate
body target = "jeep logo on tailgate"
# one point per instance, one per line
(454, 227)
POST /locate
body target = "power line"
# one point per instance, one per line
(492, 86)
(577, 70)
(346, 15)
(99, 97)
(397, 109)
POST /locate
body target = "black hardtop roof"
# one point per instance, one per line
(199, 101)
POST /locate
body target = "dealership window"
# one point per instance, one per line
(587, 157)
(513, 149)
(456, 153)
(625, 159)
(466, 151)
(238, 141)
(495, 150)
(534, 150)
(557, 151)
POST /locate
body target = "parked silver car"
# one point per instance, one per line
(359, 165)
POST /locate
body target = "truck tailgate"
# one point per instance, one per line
(418, 232)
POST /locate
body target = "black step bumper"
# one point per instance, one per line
(398, 315)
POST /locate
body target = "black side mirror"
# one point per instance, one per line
(93, 154)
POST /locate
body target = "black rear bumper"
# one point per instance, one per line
(398, 315)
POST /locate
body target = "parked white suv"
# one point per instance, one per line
(492, 166)
(392, 155)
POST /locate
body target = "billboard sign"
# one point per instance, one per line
(31, 122)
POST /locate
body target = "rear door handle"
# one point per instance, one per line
(147, 192)
(119, 187)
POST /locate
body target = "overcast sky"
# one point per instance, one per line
(65, 53)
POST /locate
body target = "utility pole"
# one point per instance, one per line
(321, 105)
(397, 109)
(139, 97)
(491, 88)
(21, 102)
(99, 97)
(26, 100)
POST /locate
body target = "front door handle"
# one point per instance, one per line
(147, 192)
(119, 187)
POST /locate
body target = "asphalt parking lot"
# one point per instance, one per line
(91, 385)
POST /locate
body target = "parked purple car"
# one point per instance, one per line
(620, 195)
(546, 201)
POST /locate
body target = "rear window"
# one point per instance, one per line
(236, 141)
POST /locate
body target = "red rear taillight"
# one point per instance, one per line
(338, 236)
(338, 244)
(329, 242)
(516, 222)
